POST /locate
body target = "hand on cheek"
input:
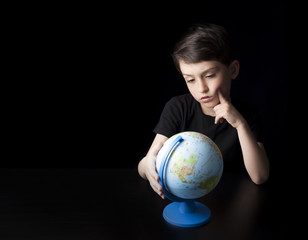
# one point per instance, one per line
(225, 110)
(219, 109)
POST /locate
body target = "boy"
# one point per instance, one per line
(204, 57)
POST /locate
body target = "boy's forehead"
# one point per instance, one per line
(194, 68)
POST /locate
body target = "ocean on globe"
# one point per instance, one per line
(194, 167)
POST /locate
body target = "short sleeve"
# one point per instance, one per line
(253, 118)
(170, 118)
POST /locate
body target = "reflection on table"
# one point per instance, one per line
(118, 204)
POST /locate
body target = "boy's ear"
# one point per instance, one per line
(234, 69)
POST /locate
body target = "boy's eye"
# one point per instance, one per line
(211, 75)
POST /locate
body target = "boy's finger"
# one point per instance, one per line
(155, 176)
(157, 188)
(216, 120)
(221, 97)
(219, 119)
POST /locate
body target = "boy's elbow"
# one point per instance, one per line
(260, 179)
(262, 175)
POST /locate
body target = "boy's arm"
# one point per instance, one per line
(255, 158)
(146, 167)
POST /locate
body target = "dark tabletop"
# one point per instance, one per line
(115, 203)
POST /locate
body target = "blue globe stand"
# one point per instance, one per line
(182, 212)
(187, 214)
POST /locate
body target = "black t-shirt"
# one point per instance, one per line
(183, 113)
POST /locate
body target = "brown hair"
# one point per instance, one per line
(204, 42)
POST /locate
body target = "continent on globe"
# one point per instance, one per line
(209, 183)
(184, 167)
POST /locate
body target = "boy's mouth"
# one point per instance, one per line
(206, 99)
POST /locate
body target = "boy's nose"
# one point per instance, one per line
(203, 86)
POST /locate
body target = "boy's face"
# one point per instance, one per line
(205, 79)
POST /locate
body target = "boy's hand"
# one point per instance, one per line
(225, 110)
(149, 169)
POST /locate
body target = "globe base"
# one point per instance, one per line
(187, 214)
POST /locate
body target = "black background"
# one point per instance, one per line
(89, 82)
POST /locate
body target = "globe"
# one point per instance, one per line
(190, 166)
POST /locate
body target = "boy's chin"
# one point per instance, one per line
(211, 104)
